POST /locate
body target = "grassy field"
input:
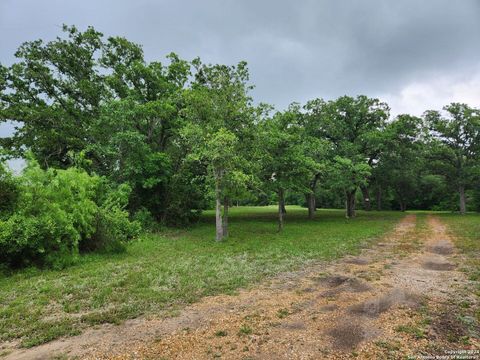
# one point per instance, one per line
(162, 272)
(466, 229)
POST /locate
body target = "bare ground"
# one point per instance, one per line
(396, 299)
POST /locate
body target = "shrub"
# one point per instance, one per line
(113, 227)
(48, 239)
(58, 212)
(146, 219)
(8, 192)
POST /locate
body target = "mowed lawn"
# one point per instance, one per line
(160, 273)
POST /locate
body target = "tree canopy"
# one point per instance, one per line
(185, 136)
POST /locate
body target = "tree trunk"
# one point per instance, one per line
(312, 205)
(218, 215)
(311, 200)
(366, 198)
(403, 206)
(461, 192)
(284, 210)
(281, 207)
(350, 204)
(225, 217)
(379, 198)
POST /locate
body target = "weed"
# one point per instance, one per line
(282, 313)
(221, 333)
(245, 330)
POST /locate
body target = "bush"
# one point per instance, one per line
(26, 240)
(8, 192)
(112, 223)
(114, 229)
(58, 212)
(146, 219)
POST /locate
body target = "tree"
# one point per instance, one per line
(82, 93)
(54, 92)
(317, 148)
(219, 131)
(400, 164)
(354, 126)
(136, 134)
(285, 160)
(455, 145)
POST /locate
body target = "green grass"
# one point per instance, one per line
(412, 330)
(466, 229)
(160, 273)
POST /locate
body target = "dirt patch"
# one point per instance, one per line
(356, 286)
(442, 247)
(438, 265)
(378, 305)
(350, 285)
(357, 261)
(447, 325)
(296, 325)
(328, 308)
(332, 281)
(347, 335)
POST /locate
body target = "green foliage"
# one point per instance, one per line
(402, 160)
(185, 135)
(286, 160)
(83, 93)
(57, 84)
(113, 228)
(9, 191)
(219, 132)
(221, 333)
(348, 175)
(454, 142)
(42, 240)
(219, 124)
(355, 128)
(145, 219)
(56, 214)
(413, 330)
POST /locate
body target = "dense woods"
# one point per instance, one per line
(114, 142)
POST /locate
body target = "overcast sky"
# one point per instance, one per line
(414, 54)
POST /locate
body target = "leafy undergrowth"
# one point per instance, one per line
(162, 272)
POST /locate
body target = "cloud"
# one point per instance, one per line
(436, 92)
(296, 50)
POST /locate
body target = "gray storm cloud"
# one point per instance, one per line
(296, 50)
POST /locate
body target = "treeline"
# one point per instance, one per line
(186, 136)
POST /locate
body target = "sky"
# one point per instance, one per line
(413, 54)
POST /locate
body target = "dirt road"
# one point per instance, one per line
(399, 298)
